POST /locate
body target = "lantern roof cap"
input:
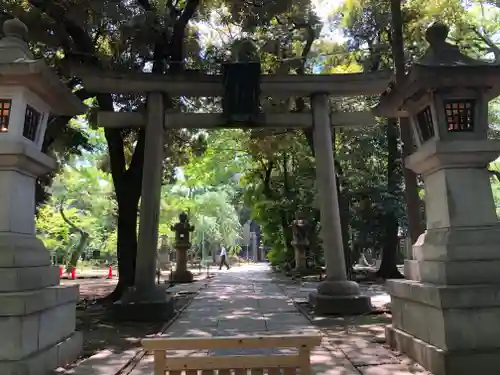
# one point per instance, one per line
(443, 66)
(19, 68)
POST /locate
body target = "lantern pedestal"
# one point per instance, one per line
(181, 273)
(300, 248)
(31, 299)
(446, 315)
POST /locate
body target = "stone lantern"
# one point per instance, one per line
(300, 243)
(37, 315)
(446, 315)
(182, 230)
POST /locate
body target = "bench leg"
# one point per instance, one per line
(159, 358)
(305, 361)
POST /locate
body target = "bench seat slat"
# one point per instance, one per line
(232, 342)
(231, 362)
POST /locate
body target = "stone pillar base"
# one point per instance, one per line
(143, 311)
(339, 298)
(300, 271)
(448, 329)
(37, 315)
(444, 362)
(57, 355)
(182, 277)
(151, 305)
(339, 305)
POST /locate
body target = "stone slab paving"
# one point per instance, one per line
(103, 363)
(250, 300)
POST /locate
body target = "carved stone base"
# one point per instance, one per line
(182, 277)
(339, 298)
(37, 315)
(144, 311)
(150, 305)
(444, 362)
(339, 305)
(460, 332)
(53, 356)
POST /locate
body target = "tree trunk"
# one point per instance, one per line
(389, 268)
(285, 219)
(84, 236)
(75, 254)
(127, 243)
(415, 224)
(128, 188)
(344, 223)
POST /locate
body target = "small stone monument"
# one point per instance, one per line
(447, 314)
(37, 315)
(163, 254)
(182, 244)
(300, 242)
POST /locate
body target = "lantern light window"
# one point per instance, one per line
(460, 115)
(5, 106)
(425, 124)
(31, 122)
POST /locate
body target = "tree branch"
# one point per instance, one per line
(492, 46)
(177, 42)
(85, 53)
(145, 4)
(299, 102)
(57, 13)
(67, 221)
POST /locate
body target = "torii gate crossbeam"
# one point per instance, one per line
(194, 84)
(180, 120)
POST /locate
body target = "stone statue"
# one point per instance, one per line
(182, 229)
(300, 227)
(440, 52)
(244, 50)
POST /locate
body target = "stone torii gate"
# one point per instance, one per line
(336, 294)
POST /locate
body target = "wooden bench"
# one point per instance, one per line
(270, 364)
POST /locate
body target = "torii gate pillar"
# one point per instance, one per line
(335, 295)
(147, 301)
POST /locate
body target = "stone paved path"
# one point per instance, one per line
(247, 300)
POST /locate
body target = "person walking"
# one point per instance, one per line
(223, 256)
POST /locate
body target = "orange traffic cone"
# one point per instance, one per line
(110, 273)
(73, 273)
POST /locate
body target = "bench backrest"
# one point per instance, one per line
(271, 364)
